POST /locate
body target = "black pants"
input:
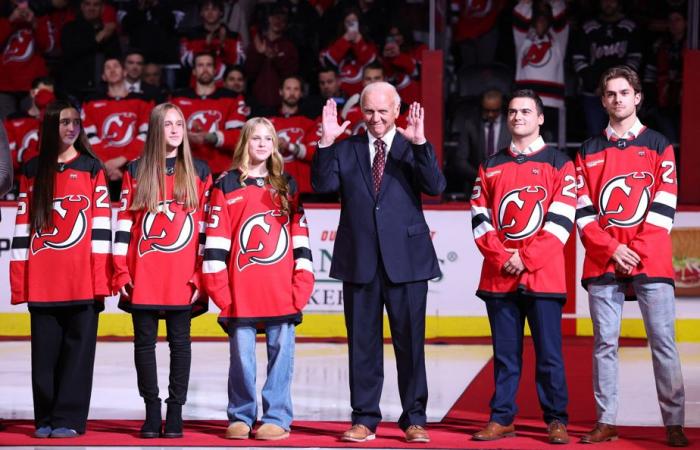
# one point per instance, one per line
(364, 307)
(145, 336)
(63, 358)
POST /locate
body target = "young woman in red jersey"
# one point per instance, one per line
(156, 258)
(63, 229)
(257, 269)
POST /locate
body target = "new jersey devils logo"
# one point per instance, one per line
(118, 129)
(521, 212)
(243, 109)
(20, 46)
(204, 121)
(625, 199)
(538, 54)
(292, 135)
(169, 230)
(30, 140)
(263, 238)
(69, 224)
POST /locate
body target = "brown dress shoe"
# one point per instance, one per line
(675, 436)
(238, 430)
(358, 433)
(557, 433)
(271, 432)
(601, 433)
(416, 433)
(493, 431)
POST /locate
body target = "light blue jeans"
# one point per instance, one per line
(657, 304)
(276, 393)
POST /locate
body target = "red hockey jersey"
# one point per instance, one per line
(117, 126)
(349, 58)
(295, 130)
(23, 137)
(257, 261)
(160, 253)
(228, 52)
(77, 253)
(627, 195)
(219, 113)
(23, 46)
(524, 202)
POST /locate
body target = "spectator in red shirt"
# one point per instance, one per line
(293, 130)
(402, 58)
(23, 40)
(271, 58)
(212, 37)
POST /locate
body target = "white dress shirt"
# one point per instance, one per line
(388, 138)
(632, 133)
(536, 145)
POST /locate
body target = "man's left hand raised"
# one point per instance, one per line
(414, 131)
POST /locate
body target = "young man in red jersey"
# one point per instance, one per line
(523, 207)
(626, 205)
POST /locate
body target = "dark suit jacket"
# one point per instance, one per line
(390, 228)
(471, 151)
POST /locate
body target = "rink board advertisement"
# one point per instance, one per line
(452, 309)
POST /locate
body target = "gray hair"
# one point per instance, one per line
(378, 86)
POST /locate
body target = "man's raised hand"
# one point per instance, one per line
(330, 129)
(415, 130)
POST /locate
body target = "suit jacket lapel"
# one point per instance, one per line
(362, 153)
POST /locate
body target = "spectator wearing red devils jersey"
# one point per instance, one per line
(257, 269)
(158, 247)
(294, 131)
(349, 54)
(63, 229)
(213, 117)
(212, 37)
(523, 207)
(23, 128)
(116, 123)
(626, 205)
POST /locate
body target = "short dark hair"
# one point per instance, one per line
(292, 77)
(236, 68)
(529, 93)
(199, 55)
(216, 3)
(376, 65)
(134, 51)
(48, 81)
(620, 72)
(326, 69)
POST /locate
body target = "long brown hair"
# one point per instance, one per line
(274, 164)
(151, 171)
(41, 211)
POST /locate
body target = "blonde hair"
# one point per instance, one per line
(274, 164)
(151, 172)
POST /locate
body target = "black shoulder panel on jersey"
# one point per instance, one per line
(653, 140)
(593, 145)
(187, 92)
(86, 163)
(549, 155)
(132, 166)
(223, 93)
(293, 187)
(202, 168)
(229, 181)
(31, 167)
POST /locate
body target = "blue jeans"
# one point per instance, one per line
(657, 303)
(276, 393)
(507, 319)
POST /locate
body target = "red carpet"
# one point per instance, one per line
(468, 414)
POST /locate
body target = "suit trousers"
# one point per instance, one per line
(657, 304)
(405, 305)
(177, 324)
(507, 318)
(63, 358)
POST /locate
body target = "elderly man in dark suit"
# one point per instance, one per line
(481, 136)
(383, 252)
